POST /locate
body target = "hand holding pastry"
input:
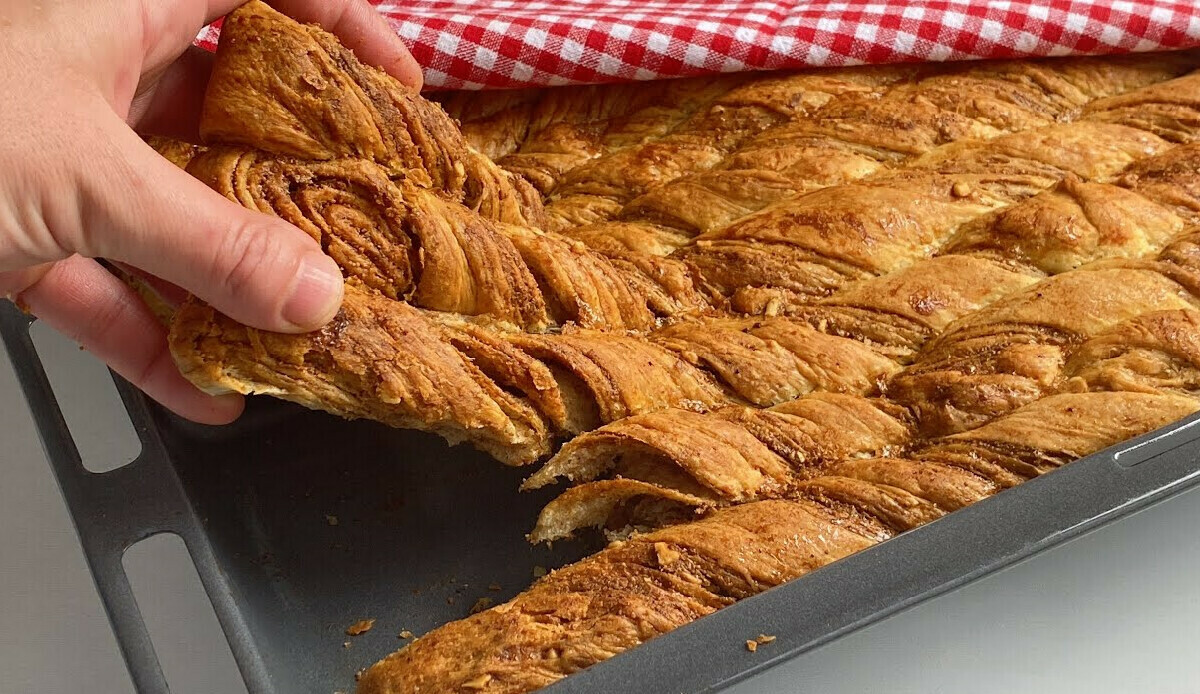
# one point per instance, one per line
(77, 182)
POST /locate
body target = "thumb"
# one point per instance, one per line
(254, 268)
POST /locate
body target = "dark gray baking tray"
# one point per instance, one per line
(424, 530)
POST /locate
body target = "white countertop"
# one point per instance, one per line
(1115, 611)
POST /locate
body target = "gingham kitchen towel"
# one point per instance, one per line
(472, 44)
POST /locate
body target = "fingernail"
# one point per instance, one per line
(316, 293)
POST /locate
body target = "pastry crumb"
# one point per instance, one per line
(332, 520)
(478, 682)
(406, 634)
(539, 571)
(362, 626)
(762, 639)
(960, 189)
(751, 645)
(481, 604)
(345, 644)
(665, 555)
(450, 600)
(494, 587)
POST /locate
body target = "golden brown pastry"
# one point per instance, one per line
(1126, 330)
(363, 365)
(1013, 351)
(856, 134)
(642, 587)
(1000, 356)
(989, 372)
(732, 455)
(541, 134)
(811, 245)
(395, 236)
(597, 190)
(789, 315)
(622, 596)
(321, 103)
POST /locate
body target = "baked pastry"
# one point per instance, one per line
(645, 586)
(778, 318)
(1089, 339)
(392, 215)
(1056, 371)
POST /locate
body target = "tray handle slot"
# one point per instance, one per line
(114, 510)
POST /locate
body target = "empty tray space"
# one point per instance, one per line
(319, 522)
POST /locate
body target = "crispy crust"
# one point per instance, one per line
(784, 317)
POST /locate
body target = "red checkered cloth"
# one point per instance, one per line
(473, 44)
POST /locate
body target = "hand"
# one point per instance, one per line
(77, 183)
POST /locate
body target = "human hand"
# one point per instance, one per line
(77, 182)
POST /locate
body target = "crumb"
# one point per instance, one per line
(450, 600)
(751, 645)
(481, 604)
(539, 571)
(764, 639)
(362, 626)
(960, 189)
(665, 555)
(358, 675)
(478, 682)
(406, 634)
(494, 587)
(345, 644)
(332, 520)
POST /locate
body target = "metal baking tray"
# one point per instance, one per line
(424, 530)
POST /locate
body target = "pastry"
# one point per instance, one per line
(759, 322)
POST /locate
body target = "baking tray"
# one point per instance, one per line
(424, 530)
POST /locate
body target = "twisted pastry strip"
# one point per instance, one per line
(596, 191)
(541, 134)
(321, 103)
(811, 245)
(1013, 351)
(649, 584)
(363, 365)
(411, 244)
(856, 135)
(849, 342)
(1059, 230)
(1137, 375)
(657, 463)
(485, 256)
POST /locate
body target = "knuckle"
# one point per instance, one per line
(247, 260)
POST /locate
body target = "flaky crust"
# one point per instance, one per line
(779, 318)
(1055, 317)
